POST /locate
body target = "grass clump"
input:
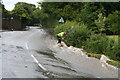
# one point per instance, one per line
(98, 56)
(114, 63)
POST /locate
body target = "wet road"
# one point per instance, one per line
(0, 59)
(35, 54)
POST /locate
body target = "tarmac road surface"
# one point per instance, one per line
(35, 54)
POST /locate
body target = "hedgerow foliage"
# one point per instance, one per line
(77, 33)
(80, 36)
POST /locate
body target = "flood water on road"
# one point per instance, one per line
(48, 59)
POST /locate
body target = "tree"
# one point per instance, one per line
(28, 7)
(89, 14)
(24, 16)
(26, 12)
(53, 11)
(100, 22)
(2, 7)
(112, 21)
(111, 7)
(35, 17)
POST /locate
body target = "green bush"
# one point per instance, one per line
(67, 26)
(77, 33)
(100, 44)
(114, 52)
(80, 36)
(96, 44)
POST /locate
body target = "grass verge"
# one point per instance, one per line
(94, 55)
(114, 63)
(98, 56)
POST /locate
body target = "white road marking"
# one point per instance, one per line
(26, 46)
(38, 63)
